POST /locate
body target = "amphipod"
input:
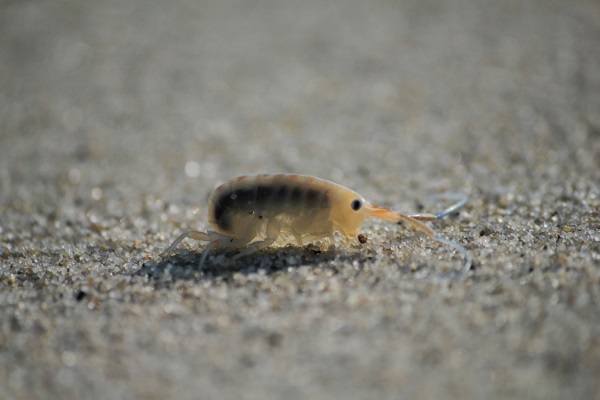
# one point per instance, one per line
(254, 212)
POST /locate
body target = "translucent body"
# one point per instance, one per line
(255, 212)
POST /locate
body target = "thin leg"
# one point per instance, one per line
(273, 231)
(288, 229)
(196, 235)
(322, 235)
(205, 254)
(327, 233)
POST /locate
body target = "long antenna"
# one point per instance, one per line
(414, 221)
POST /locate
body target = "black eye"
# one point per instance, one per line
(356, 204)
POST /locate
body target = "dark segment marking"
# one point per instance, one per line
(316, 199)
(312, 197)
(296, 195)
(231, 200)
(263, 194)
(281, 194)
(222, 220)
(265, 197)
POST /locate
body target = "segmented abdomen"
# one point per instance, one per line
(266, 196)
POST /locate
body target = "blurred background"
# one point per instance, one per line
(374, 92)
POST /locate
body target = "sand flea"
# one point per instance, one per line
(254, 212)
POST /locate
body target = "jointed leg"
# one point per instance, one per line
(273, 231)
(326, 234)
(196, 235)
